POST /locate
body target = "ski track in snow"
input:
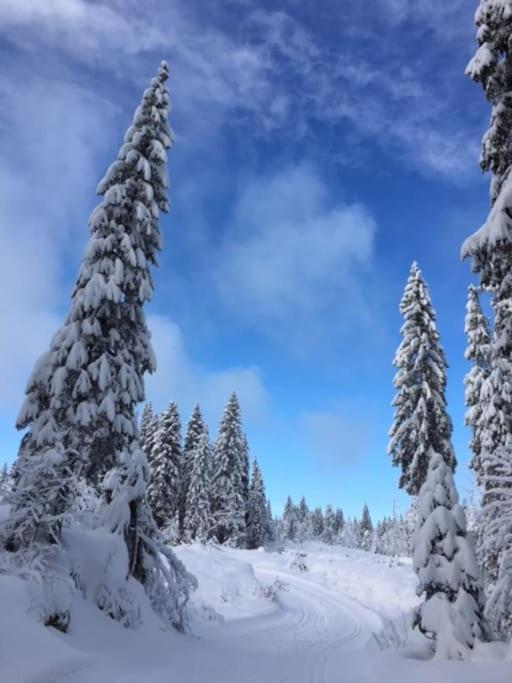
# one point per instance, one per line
(307, 638)
(314, 629)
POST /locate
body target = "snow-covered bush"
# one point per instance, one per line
(298, 562)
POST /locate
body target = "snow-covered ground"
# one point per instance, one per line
(257, 617)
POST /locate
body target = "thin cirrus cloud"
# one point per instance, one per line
(279, 74)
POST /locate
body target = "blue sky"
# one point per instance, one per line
(320, 148)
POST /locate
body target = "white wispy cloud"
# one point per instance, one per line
(277, 72)
(290, 254)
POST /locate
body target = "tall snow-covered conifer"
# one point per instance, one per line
(490, 249)
(245, 474)
(366, 529)
(257, 510)
(81, 398)
(421, 422)
(149, 423)
(193, 435)
(270, 526)
(164, 484)
(227, 490)
(289, 522)
(444, 560)
(478, 352)
(197, 522)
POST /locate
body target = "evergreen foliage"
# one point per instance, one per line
(421, 422)
(257, 519)
(444, 560)
(79, 409)
(149, 424)
(164, 486)
(228, 501)
(478, 352)
(366, 529)
(270, 526)
(317, 522)
(198, 521)
(329, 534)
(490, 249)
(196, 428)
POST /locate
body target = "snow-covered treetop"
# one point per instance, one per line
(491, 66)
(493, 19)
(420, 420)
(92, 378)
(476, 328)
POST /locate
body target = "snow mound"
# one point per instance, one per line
(227, 583)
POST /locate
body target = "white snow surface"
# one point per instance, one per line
(317, 629)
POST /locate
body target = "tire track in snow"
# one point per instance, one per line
(320, 598)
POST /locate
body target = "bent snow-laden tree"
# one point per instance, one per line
(490, 250)
(81, 398)
(421, 423)
(444, 560)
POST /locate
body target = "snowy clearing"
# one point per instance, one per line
(313, 626)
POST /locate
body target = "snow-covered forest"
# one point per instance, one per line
(139, 544)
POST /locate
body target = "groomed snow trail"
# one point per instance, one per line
(307, 639)
(313, 634)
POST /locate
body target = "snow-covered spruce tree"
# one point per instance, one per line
(339, 521)
(245, 474)
(421, 422)
(288, 526)
(478, 352)
(495, 534)
(195, 429)
(270, 525)
(198, 520)
(491, 67)
(303, 531)
(490, 249)
(329, 534)
(444, 560)
(164, 485)
(257, 510)
(81, 398)
(302, 510)
(317, 522)
(149, 423)
(366, 529)
(227, 489)
(350, 535)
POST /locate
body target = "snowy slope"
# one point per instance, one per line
(256, 618)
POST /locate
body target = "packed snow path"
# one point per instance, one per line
(313, 626)
(304, 637)
(305, 640)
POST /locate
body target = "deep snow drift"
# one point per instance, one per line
(257, 617)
